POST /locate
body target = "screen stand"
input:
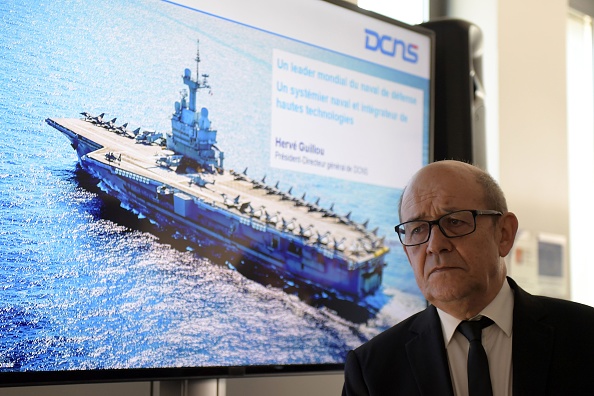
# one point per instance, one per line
(205, 387)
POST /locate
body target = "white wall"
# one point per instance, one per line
(580, 108)
(525, 63)
(532, 112)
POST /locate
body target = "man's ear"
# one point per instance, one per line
(508, 228)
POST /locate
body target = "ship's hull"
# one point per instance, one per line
(253, 238)
(196, 216)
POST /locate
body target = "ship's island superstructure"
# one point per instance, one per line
(178, 179)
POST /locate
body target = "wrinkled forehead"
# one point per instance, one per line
(441, 189)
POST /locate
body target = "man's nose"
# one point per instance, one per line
(438, 242)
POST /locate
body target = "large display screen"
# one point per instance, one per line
(202, 187)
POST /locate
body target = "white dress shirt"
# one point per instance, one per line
(497, 341)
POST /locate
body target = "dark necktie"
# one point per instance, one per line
(479, 381)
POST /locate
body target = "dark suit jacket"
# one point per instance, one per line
(552, 353)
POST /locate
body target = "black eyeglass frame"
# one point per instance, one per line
(431, 223)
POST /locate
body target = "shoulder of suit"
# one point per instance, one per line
(565, 305)
(556, 312)
(551, 302)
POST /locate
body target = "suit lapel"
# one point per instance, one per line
(532, 345)
(425, 349)
(531, 349)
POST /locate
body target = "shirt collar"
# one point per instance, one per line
(500, 311)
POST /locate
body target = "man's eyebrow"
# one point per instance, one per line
(424, 218)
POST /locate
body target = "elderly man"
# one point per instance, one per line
(455, 231)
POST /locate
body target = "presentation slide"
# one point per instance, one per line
(332, 121)
(197, 183)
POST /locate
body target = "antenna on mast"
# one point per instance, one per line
(204, 83)
(197, 60)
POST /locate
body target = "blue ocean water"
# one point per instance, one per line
(86, 284)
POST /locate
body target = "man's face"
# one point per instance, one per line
(465, 270)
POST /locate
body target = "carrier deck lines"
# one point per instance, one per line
(185, 186)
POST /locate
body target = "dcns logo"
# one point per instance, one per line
(390, 46)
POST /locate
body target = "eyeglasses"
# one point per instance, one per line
(452, 225)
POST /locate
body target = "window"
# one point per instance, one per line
(580, 135)
(407, 11)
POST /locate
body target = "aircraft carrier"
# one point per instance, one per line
(177, 179)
